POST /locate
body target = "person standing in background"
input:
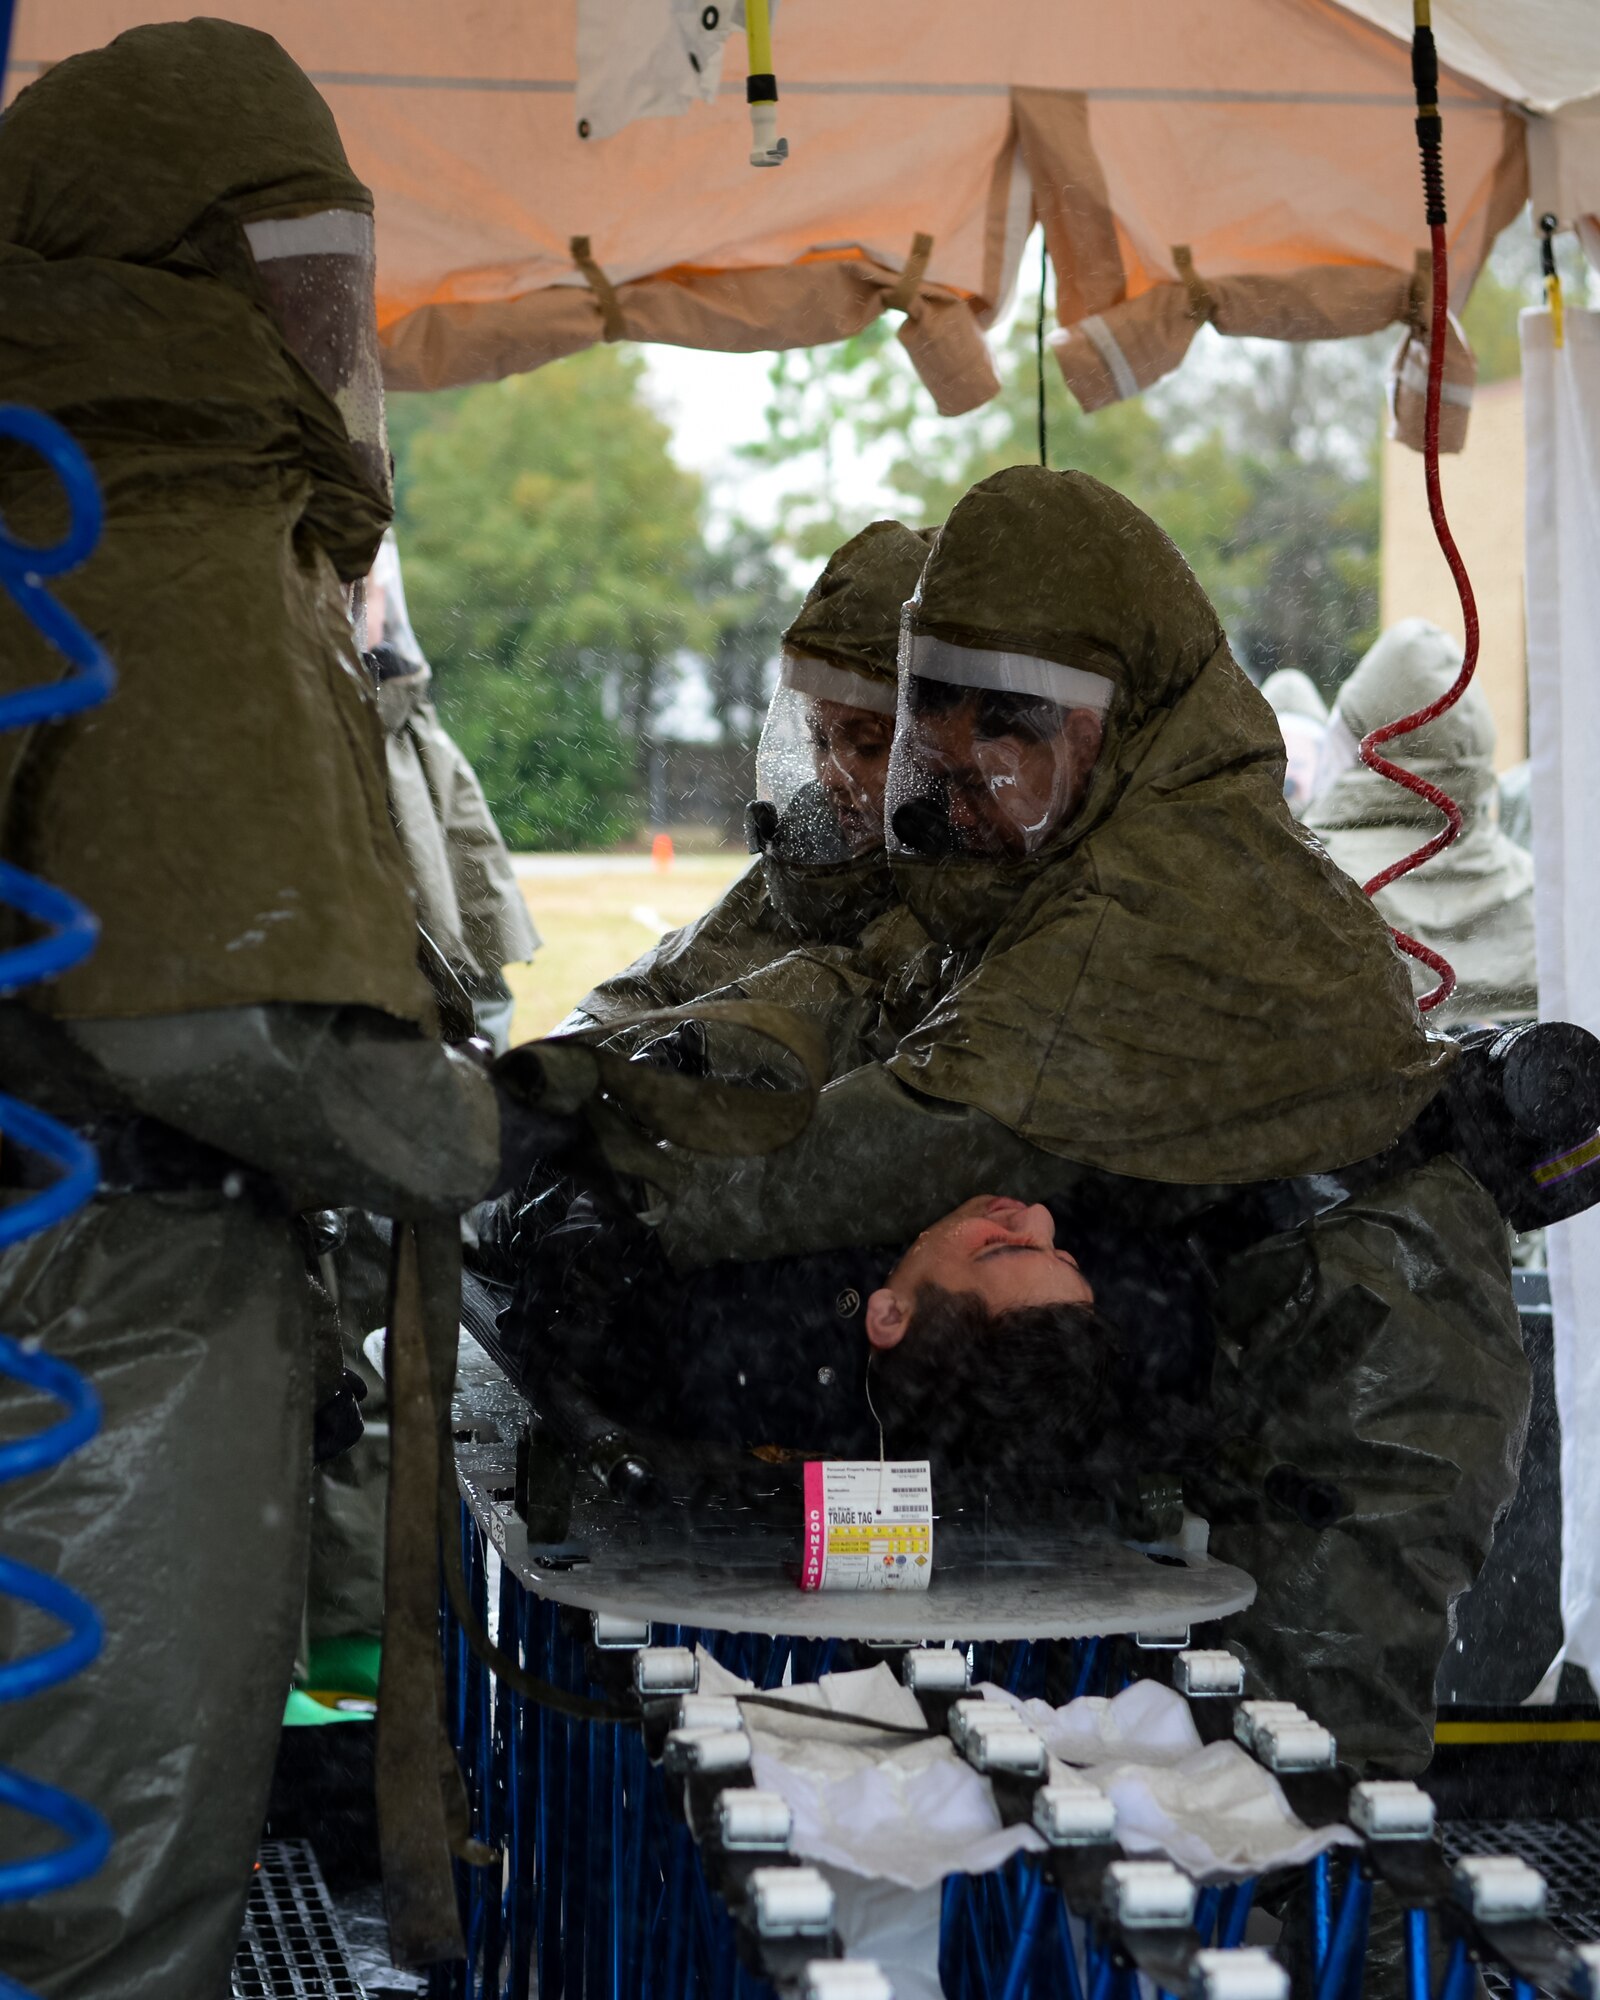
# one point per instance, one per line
(1303, 724)
(1473, 902)
(468, 901)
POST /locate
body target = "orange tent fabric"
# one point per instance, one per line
(1250, 162)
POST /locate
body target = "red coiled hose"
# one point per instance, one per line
(1425, 71)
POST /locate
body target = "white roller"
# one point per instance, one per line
(790, 1902)
(662, 1670)
(1249, 1716)
(1246, 1974)
(1287, 1743)
(936, 1670)
(1074, 1815)
(1017, 1752)
(1391, 1809)
(706, 1752)
(1500, 1888)
(616, 1634)
(753, 1822)
(1197, 1673)
(708, 1711)
(1148, 1895)
(845, 1979)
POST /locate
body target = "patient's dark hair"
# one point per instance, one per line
(1032, 1399)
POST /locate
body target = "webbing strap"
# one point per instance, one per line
(604, 291)
(902, 295)
(423, 1816)
(1202, 306)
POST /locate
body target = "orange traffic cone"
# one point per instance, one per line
(661, 851)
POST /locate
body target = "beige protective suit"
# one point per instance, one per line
(1474, 902)
(468, 900)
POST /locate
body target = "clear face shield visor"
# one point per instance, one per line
(991, 750)
(320, 273)
(822, 763)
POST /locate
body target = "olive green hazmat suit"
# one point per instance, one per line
(850, 622)
(1179, 987)
(252, 1036)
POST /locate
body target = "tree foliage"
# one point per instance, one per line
(556, 563)
(1259, 460)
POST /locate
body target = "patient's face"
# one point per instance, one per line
(1002, 1249)
(851, 747)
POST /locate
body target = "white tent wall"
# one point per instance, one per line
(1562, 416)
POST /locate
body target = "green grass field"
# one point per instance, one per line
(596, 914)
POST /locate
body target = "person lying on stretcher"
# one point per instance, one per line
(982, 1340)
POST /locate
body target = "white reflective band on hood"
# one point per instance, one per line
(1007, 673)
(829, 683)
(331, 232)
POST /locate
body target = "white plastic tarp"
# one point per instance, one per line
(914, 1812)
(1562, 415)
(888, 1821)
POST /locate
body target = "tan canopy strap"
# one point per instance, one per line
(421, 1804)
(700, 1113)
(902, 295)
(601, 286)
(1202, 305)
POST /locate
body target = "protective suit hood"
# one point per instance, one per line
(820, 768)
(1291, 692)
(1177, 984)
(1473, 902)
(1039, 566)
(237, 847)
(851, 616)
(123, 151)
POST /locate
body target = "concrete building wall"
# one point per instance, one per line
(1483, 498)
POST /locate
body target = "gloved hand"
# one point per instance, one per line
(540, 1087)
(337, 1424)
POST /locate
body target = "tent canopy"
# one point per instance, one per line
(1247, 162)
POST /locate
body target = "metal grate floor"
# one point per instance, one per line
(1566, 1853)
(291, 1947)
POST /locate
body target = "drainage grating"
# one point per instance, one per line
(1565, 1852)
(290, 1947)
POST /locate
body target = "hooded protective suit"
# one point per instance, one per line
(1150, 972)
(467, 894)
(1303, 724)
(822, 878)
(185, 284)
(1473, 902)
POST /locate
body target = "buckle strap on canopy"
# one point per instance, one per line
(602, 287)
(1202, 306)
(902, 295)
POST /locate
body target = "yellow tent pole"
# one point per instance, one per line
(758, 32)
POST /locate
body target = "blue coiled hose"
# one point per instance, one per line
(70, 932)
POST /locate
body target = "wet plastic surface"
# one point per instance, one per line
(1061, 1584)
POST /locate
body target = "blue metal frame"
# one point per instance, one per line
(597, 1892)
